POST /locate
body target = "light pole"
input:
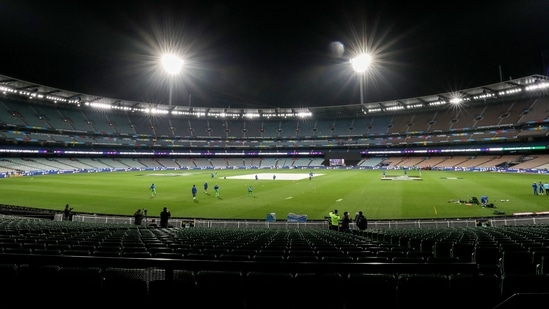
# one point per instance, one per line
(172, 65)
(360, 64)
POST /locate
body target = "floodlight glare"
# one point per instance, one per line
(172, 64)
(361, 62)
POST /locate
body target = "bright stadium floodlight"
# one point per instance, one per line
(173, 65)
(360, 64)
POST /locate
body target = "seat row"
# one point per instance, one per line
(263, 289)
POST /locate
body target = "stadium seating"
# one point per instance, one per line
(378, 263)
(514, 120)
(230, 291)
(475, 290)
(120, 264)
(422, 290)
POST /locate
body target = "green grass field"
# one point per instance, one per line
(121, 193)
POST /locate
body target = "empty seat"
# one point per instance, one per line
(447, 259)
(123, 284)
(261, 285)
(329, 283)
(46, 252)
(357, 254)
(247, 251)
(543, 266)
(228, 286)
(89, 248)
(167, 255)
(33, 245)
(408, 259)
(8, 273)
(73, 280)
(268, 258)
(11, 244)
(302, 258)
(106, 253)
(76, 252)
(134, 249)
(463, 251)
(158, 249)
(516, 262)
(108, 248)
(426, 245)
(443, 248)
(234, 257)
(42, 280)
(391, 254)
(60, 247)
(18, 250)
(215, 251)
(136, 254)
(179, 282)
(423, 255)
(487, 258)
(422, 290)
(373, 259)
(378, 290)
(481, 290)
(538, 253)
(337, 259)
(201, 256)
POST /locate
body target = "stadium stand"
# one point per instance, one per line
(237, 258)
(234, 266)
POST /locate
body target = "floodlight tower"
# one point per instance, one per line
(360, 64)
(172, 65)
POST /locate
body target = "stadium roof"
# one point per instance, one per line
(49, 95)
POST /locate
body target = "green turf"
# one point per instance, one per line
(121, 193)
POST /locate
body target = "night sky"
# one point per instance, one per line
(272, 54)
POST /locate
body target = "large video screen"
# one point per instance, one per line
(337, 162)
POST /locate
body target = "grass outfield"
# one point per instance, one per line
(121, 193)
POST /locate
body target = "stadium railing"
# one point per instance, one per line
(321, 224)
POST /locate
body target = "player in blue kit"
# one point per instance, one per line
(193, 191)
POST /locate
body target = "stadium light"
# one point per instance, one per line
(173, 65)
(360, 64)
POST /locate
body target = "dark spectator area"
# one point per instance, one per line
(398, 266)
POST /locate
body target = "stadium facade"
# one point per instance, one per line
(505, 117)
